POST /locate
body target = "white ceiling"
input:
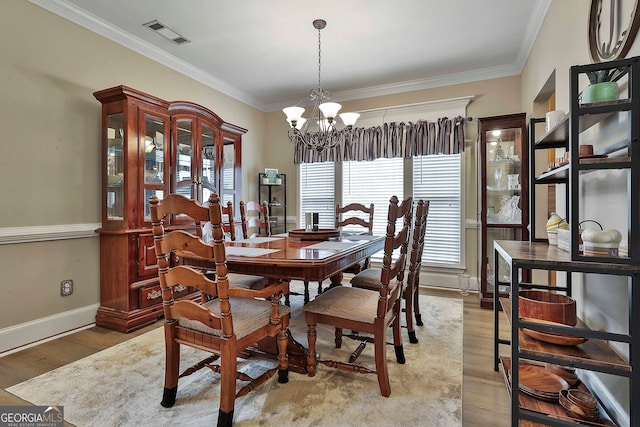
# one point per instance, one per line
(265, 52)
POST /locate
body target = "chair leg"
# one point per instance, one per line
(311, 352)
(380, 351)
(283, 359)
(408, 304)
(416, 305)
(320, 290)
(228, 375)
(172, 366)
(397, 338)
(225, 419)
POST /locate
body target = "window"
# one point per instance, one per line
(435, 178)
(438, 179)
(373, 182)
(317, 187)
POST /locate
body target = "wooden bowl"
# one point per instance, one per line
(584, 399)
(549, 306)
(577, 411)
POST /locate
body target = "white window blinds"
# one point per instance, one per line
(438, 179)
(317, 192)
(374, 182)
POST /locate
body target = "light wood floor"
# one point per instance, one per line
(485, 400)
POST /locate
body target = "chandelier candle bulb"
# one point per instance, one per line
(349, 119)
(330, 110)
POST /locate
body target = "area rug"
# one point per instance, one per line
(122, 385)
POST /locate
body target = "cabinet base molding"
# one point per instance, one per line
(129, 321)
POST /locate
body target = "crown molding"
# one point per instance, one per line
(531, 32)
(419, 109)
(78, 16)
(68, 11)
(413, 85)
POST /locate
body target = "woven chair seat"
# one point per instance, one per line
(248, 315)
(355, 304)
(242, 281)
(367, 279)
(246, 281)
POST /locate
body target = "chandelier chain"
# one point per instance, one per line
(319, 60)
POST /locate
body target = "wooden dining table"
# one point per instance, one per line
(282, 257)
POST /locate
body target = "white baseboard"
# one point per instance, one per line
(607, 399)
(28, 334)
(445, 280)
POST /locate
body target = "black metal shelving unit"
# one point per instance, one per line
(275, 194)
(574, 130)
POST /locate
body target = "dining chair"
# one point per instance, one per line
(200, 215)
(370, 278)
(254, 219)
(255, 216)
(228, 226)
(223, 326)
(355, 218)
(369, 312)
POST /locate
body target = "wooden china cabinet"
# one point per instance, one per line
(153, 147)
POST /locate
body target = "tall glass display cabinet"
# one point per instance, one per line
(503, 196)
(153, 147)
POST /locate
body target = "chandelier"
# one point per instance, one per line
(319, 131)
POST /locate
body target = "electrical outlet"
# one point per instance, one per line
(66, 287)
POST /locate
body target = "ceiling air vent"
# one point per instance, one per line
(166, 32)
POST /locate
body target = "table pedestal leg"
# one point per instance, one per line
(297, 352)
(336, 280)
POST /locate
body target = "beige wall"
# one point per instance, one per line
(50, 165)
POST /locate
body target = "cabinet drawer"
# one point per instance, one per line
(153, 295)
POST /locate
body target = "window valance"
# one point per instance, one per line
(446, 136)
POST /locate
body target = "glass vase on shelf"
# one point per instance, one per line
(497, 176)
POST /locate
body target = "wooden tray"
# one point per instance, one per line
(538, 381)
(320, 234)
(549, 337)
(551, 409)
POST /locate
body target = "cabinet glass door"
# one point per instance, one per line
(156, 168)
(228, 177)
(503, 196)
(115, 167)
(208, 167)
(503, 169)
(184, 158)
